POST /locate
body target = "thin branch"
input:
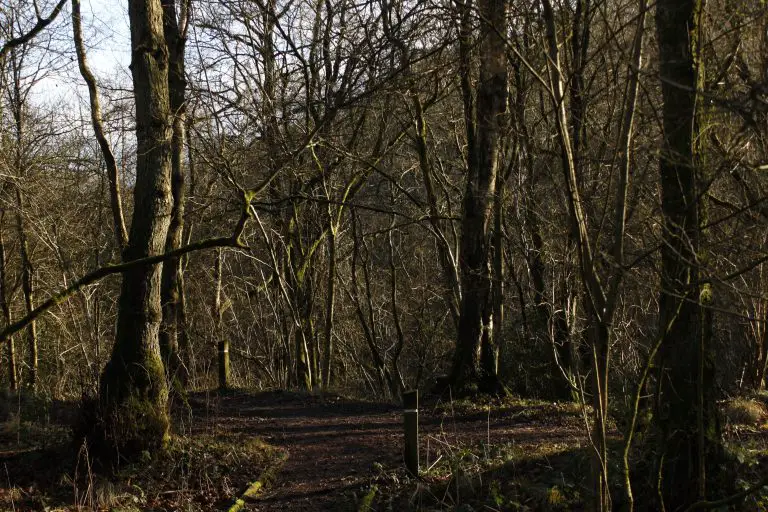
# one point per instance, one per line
(39, 26)
(121, 233)
(234, 240)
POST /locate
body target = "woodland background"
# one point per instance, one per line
(562, 200)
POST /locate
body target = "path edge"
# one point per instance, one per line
(257, 486)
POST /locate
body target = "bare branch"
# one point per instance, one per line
(121, 233)
(39, 26)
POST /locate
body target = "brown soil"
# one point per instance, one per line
(336, 447)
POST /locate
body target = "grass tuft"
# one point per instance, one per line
(745, 411)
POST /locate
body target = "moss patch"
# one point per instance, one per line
(122, 432)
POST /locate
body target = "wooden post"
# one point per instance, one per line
(411, 423)
(224, 365)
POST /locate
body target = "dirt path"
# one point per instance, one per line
(336, 446)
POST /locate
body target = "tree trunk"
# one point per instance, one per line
(172, 291)
(301, 300)
(28, 288)
(685, 415)
(493, 350)
(13, 372)
(761, 331)
(330, 301)
(133, 389)
(550, 316)
(27, 272)
(218, 319)
(474, 357)
(398, 384)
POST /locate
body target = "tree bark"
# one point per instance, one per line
(174, 24)
(133, 390)
(13, 372)
(685, 411)
(446, 256)
(550, 312)
(299, 261)
(218, 319)
(474, 357)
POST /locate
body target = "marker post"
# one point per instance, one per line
(411, 424)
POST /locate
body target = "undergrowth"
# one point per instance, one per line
(545, 472)
(41, 469)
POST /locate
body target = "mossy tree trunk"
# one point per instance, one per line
(13, 372)
(219, 307)
(298, 262)
(330, 301)
(133, 390)
(685, 415)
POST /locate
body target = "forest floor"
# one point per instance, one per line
(311, 453)
(346, 454)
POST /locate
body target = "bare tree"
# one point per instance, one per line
(475, 359)
(173, 336)
(686, 412)
(133, 390)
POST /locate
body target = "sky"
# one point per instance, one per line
(108, 22)
(107, 39)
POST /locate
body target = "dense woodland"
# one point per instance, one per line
(562, 200)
